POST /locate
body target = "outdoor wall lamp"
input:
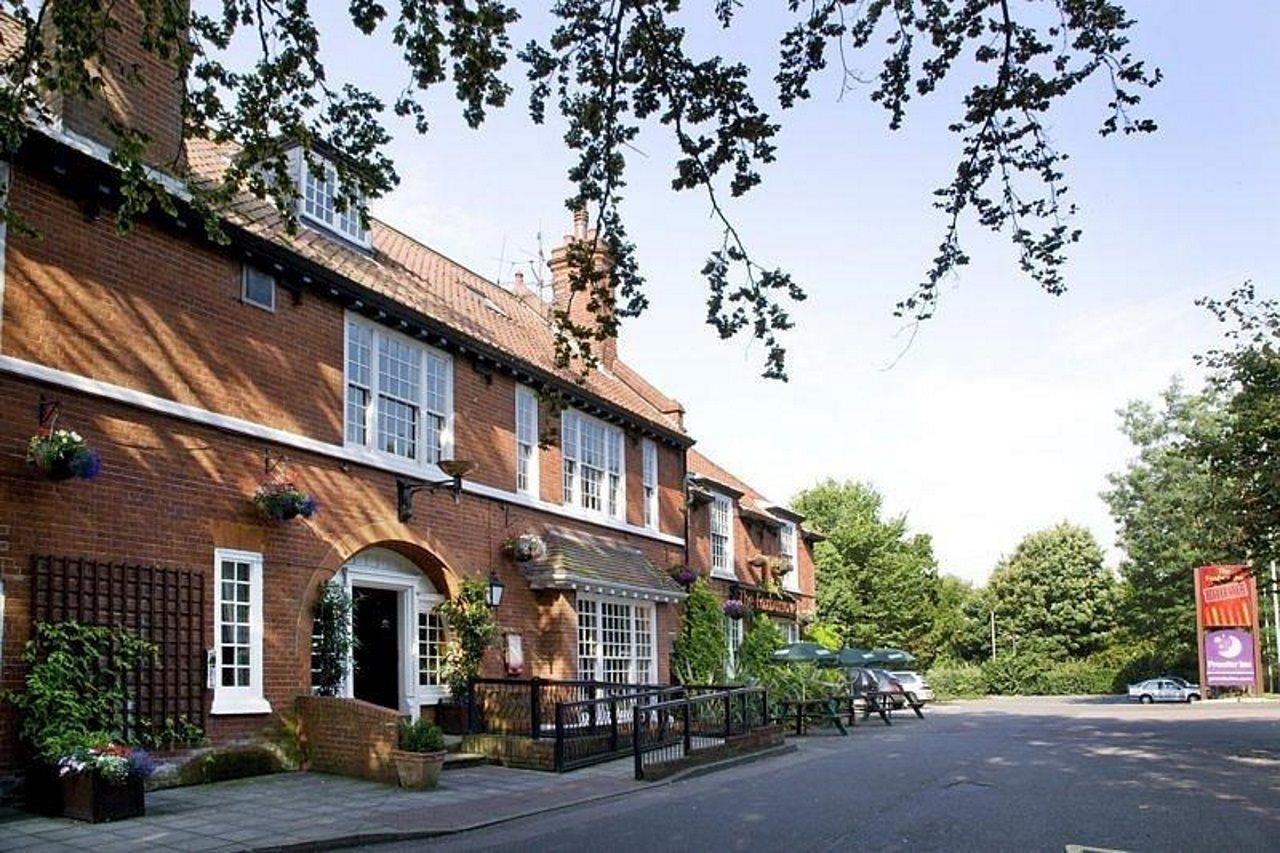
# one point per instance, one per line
(493, 597)
(406, 488)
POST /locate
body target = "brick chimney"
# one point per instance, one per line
(139, 90)
(579, 312)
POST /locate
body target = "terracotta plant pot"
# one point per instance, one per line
(89, 797)
(418, 770)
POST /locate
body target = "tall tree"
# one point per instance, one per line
(1173, 512)
(610, 69)
(960, 620)
(1054, 593)
(876, 581)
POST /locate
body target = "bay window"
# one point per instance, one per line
(616, 640)
(593, 465)
(526, 441)
(399, 395)
(650, 480)
(722, 536)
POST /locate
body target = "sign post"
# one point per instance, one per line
(1227, 627)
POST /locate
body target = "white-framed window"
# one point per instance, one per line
(722, 536)
(650, 480)
(399, 395)
(787, 544)
(257, 288)
(430, 648)
(733, 642)
(237, 618)
(318, 202)
(526, 441)
(593, 465)
(616, 640)
(790, 630)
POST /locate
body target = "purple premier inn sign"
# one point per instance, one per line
(1228, 656)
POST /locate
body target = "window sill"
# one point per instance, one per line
(224, 704)
(724, 574)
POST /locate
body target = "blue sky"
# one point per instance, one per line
(1000, 418)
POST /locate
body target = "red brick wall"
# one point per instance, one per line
(171, 492)
(349, 737)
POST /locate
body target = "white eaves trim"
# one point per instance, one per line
(359, 456)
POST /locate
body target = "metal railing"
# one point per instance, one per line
(682, 726)
(527, 706)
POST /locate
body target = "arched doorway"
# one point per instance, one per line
(398, 634)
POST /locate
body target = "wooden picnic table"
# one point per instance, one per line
(826, 708)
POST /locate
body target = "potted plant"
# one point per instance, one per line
(61, 454)
(526, 548)
(283, 501)
(420, 757)
(734, 609)
(103, 783)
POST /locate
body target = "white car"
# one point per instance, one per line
(913, 683)
(1168, 689)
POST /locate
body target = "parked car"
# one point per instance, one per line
(1165, 689)
(915, 686)
(892, 686)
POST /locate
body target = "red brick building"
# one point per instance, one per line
(751, 548)
(351, 363)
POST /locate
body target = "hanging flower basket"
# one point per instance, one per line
(684, 576)
(734, 609)
(758, 561)
(526, 548)
(62, 454)
(283, 502)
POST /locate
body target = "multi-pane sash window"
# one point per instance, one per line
(430, 648)
(790, 630)
(526, 441)
(593, 465)
(733, 641)
(650, 450)
(722, 535)
(237, 666)
(319, 203)
(787, 542)
(399, 395)
(615, 640)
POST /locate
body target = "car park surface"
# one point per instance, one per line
(995, 774)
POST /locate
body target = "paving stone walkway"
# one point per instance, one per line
(308, 809)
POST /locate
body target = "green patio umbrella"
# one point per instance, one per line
(854, 657)
(805, 653)
(890, 657)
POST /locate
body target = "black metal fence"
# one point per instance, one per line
(680, 727)
(165, 606)
(527, 706)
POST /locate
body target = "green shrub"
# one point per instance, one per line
(755, 656)
(699, 651)
(331, 649)
(421, 736)
(75, 692)
(471, 630)
(952, 679)
(824, 634)
(1009, 674)
(1075, 677)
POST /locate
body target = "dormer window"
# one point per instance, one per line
(318, 202)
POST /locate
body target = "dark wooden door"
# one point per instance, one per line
(376, 626)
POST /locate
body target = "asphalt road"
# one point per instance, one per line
(1008, 774)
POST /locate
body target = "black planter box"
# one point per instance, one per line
(451, 718)
(89, 797)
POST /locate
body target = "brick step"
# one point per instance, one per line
(458, 760)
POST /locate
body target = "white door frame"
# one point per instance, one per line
(382, 568)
